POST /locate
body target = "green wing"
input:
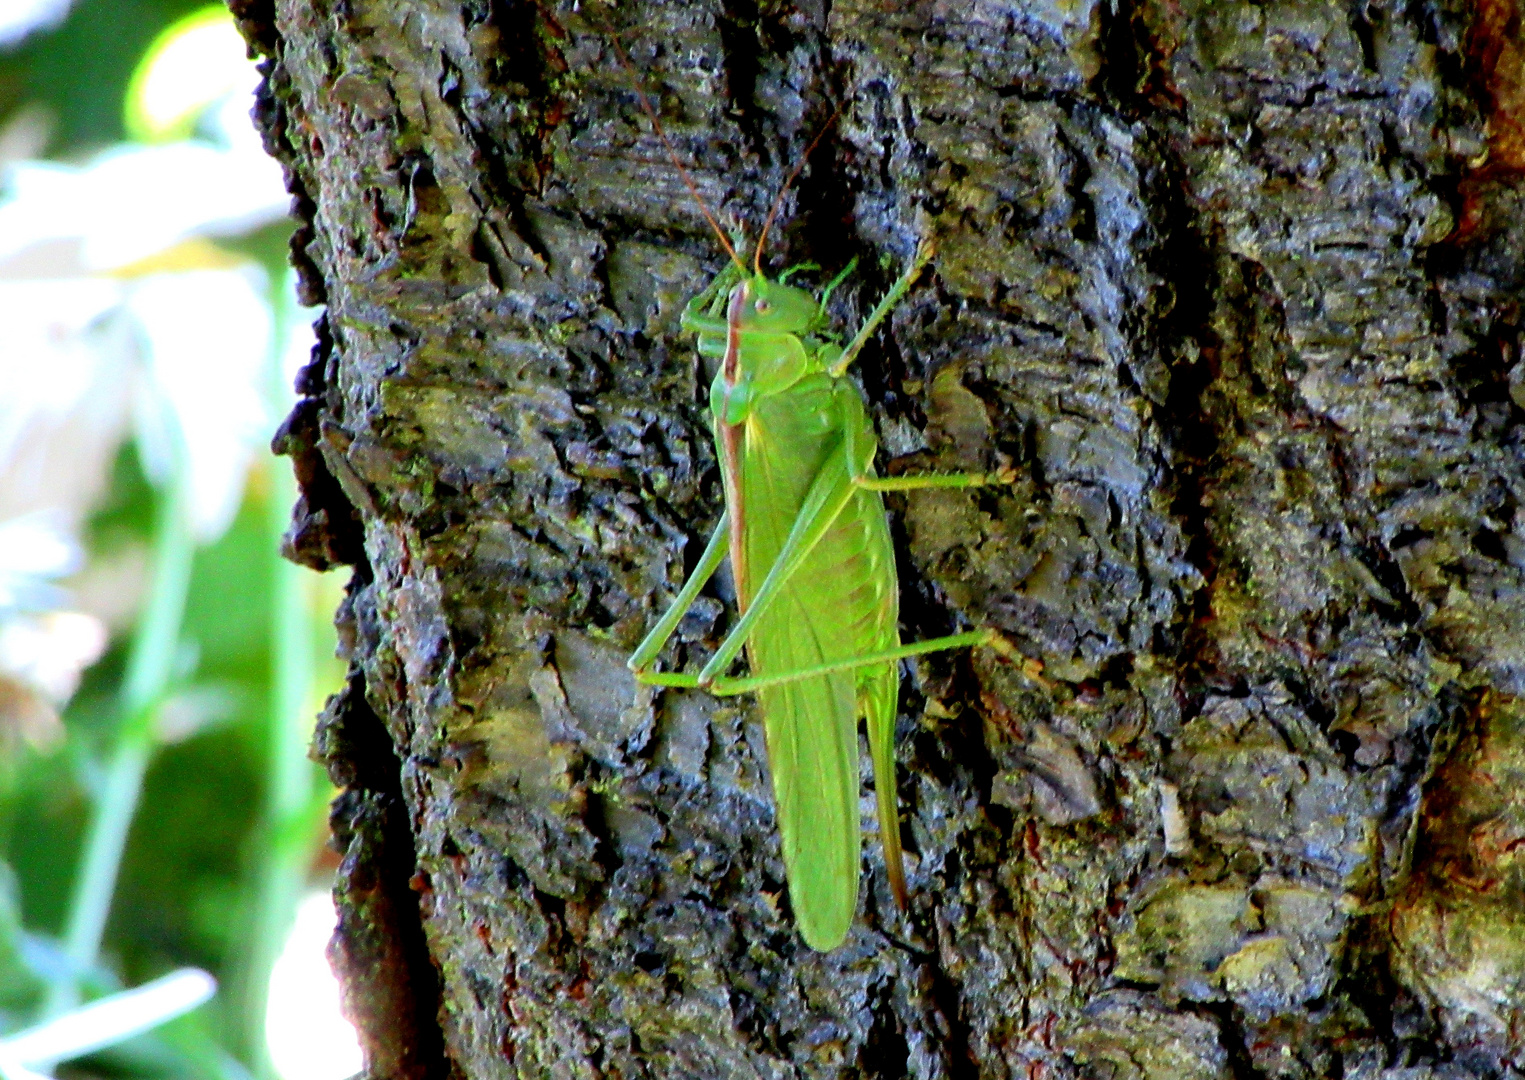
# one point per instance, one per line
(813, 756)
(840, 603)
(833, 608)
(811, 723)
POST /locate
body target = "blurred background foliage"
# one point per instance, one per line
(79, 69)
(160, 666)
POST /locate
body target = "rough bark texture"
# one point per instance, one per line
(1235, 287)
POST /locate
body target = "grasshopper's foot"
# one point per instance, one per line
(1007, 650)
(1000, 644)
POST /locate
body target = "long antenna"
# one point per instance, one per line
(793, 175)
(688, 180)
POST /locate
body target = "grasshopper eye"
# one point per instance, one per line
(762, 306)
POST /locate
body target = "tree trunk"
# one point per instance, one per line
(1234, 287)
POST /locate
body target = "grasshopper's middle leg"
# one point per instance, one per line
(859, 458)
(829, 493)
(647, 650)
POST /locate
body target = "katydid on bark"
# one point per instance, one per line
(813, 566)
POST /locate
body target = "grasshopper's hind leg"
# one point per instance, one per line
(723, 686)
(829, 493)
(647, 650)
(933, 480)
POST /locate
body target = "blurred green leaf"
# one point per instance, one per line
(80, 71)
(126, 514)
(228, 610)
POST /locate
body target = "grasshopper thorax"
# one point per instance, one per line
(766, 324)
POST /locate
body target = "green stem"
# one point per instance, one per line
(286, 843)
(285, 836)
(150, 667)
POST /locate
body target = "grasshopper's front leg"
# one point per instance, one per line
(647, 651)
(704, 313)
(883, 308)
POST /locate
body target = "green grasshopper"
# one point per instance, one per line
(813, 566)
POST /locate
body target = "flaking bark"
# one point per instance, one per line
(1234, 287)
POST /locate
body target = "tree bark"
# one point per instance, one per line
(1234, 287)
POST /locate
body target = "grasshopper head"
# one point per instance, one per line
(771, 307)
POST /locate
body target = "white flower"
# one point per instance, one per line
(65, 404)
(51, 649)
(103, 1023)
(18, 18)
(117, 314)
(41, 652)
(207, 336)
(33, 549)
(133, 202)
